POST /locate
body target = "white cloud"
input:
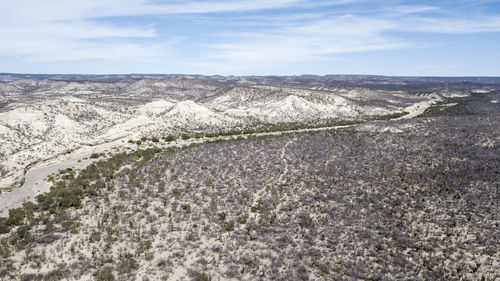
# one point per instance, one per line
(51, 10)
(67, 30)
(54, 41)
(408, 9)
(304, 42)
(318, 39)
(57, 30)
(451, 25)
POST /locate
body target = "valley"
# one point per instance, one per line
(250, 178)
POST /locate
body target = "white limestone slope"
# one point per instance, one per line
(155, 107)
(44, 130)
(190, 114)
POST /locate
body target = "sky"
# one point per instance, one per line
(244, 37)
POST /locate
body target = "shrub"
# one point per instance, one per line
(4, 227)
(127, 263)
(16, 216)
(229, 226)
(169, 138)
(104, 274)
(305, 222)
(149, 256)
(199, 276)
(70, 225)
(222, 216)
(242, 219)
(22, 231)
(28, 277)
(186, 208)
(57, 273)
(389, 116)
(60, 196)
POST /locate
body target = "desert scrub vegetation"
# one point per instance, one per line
(456, 106)
(388, 116)
(3, 171)
(283, 127)
(421, 204)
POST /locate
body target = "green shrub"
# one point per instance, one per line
(104, 274)
(127, 263)
(389, 116)
(149, 256)
(186, 208)
(22, 231)
(70, 225)
(60, 197)
(169, 138)
(229, 226)
(4, 227)
(199, 276)
(16, 216)
(222, 216)
(57, 273)
(305, 222)
(242, 219)
(95, 236)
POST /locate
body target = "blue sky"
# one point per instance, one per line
(242, 37)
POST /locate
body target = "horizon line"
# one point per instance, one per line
(255, 75)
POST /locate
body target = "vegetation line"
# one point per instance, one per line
(274, 128)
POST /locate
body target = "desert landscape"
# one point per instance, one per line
(238, 140)
(249, 178)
